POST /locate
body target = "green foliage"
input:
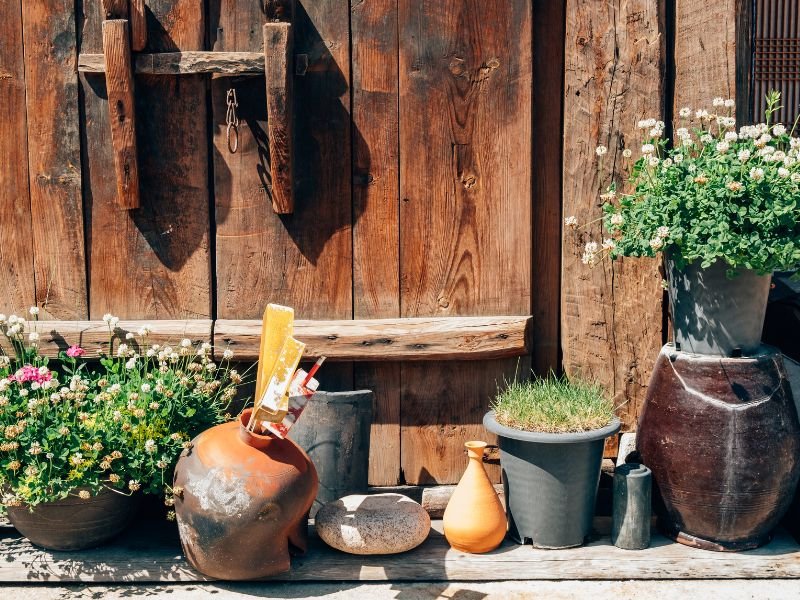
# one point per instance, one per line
(73, 427)
(714, 193)
(553, 405)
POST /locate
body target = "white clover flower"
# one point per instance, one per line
(794, 143)
(601, 150)
(122, 350)
(656, 132)
(228, 354)
(609, 244)
(687, 142)
(731, 136)
(186, 342)
(76, 459)
(608, 196)
(205, 346)
(685, 112)
(589, 258)
(627, 153)
(150, 446)
(648, 149)
(23, 392)
(5, 361)
(145, 330)
(795, 177)
(131, 363)
(789, 161)
(3, 318)
(682, 132)
(35, 385)
(763, 140)
(653, 161)
(728, 122)
(723, 147)
(642, 124)
(706, 138)
(718, 101)
(150, 353)
(129, 336)
(656, 243)
(107, 318)
(730, 103)
(756, 173)
(591, 247)
(778, 129)
(662, 232)
(146, 388)
(678, 158)
(33, 311)
(211, 367)
(617, 219)
(33, 337)
(701, 114)
(783, 172)
(114, 321)
(743, 155)
(667, 163)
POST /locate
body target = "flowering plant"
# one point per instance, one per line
(714, 193)
(68, 427)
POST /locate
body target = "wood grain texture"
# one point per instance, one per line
(115, 9)
(54, 159)
(150, 552)
(183, 63)
(465, 214)
(153, 262)
(17, 285)
(710, 49)
(611, 315)
(96, 339)
(376, 227)
(431, 338)
(122, 110)
(548, 93)
(138, 20)
(279, 76)
(301, 260)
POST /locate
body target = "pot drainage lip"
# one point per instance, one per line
(490, 423)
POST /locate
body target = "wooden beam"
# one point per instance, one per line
(183, 63)
(114, 9)
(443, 338)
(95, 338)
(279, 79)
(138, 18)
(122, 109)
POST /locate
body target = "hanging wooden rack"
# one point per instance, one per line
(125, 30)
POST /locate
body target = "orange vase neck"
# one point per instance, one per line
(250, 438)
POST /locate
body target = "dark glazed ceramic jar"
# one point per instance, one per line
(74, 523)
(243, 502)
(721, 436)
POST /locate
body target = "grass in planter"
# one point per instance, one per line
(553, 405)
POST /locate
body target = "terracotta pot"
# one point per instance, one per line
(721, 436)
(74, 523)
(474, 520)
(244, 502)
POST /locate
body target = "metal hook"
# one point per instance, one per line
(232, 120)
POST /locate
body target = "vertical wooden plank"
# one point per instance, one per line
(16, 249)
(465, 214)
(712, 54)
(54, 158)
(548, 92)
(138, 20)
(304, 259)
(376, 219)
(122, 110)
(152, 262)
(612, 313)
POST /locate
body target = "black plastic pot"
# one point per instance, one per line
(335, 431)
(716, 315)
(550, 482)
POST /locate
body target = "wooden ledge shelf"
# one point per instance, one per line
(435, 338)
(183, 63)
(149, 552)
(443, 338)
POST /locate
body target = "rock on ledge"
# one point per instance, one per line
(375, 524)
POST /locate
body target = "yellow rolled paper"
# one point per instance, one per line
(276, 328)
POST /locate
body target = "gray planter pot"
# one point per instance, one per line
(550, 482)
(714, 315)
(334, 431)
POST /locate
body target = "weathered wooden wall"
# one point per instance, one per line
(429, 175)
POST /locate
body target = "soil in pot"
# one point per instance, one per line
(550, 482)
(74, 523)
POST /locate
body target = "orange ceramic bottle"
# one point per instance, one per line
(474, 520)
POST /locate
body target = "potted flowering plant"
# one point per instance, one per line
(79, 441)
(721, 205)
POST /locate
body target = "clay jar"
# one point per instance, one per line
(474, 520)
(242, 502)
